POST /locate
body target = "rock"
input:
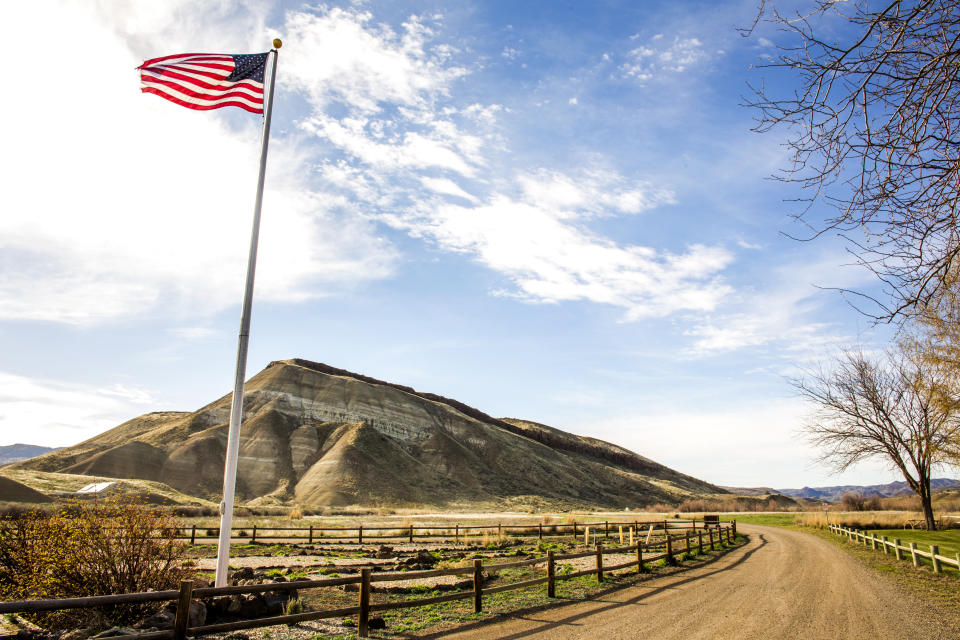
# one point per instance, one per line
(425, 558)
(235, 605)
(274, 602)
(198, 613)
(218, 607)
(252, 606)
(376, 623)
(115, 631)
(384, 552)
(162, 619)
(77, 634)
(246, 573)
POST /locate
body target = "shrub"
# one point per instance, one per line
(97, 548)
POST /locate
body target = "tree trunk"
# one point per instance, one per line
(926, 501)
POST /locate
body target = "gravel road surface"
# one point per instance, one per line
(782, 584)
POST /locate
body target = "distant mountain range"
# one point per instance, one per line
(833, 494)
(15, 452)
(892, 489)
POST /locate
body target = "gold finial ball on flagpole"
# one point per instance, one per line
(277, 43)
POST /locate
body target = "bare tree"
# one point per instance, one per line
(874, 130)
(888, 408)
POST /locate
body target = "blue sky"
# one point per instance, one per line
(548, 210)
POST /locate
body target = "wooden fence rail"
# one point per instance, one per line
(876, 542)
(724, 532)
(361, 532)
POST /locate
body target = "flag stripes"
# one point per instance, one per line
(206, 81)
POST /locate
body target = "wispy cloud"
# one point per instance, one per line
(426, 168)
(781, 314)
(56, 413)
(162, 214)
(660, 56)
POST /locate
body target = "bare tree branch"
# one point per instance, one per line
(874, 130)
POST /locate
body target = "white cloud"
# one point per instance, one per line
(447, 187)
(121, 201)
(340, 56)
(780, 313)
(657, 58)
(401, 159)
(591, 193)
(550, 260)
(55, 413)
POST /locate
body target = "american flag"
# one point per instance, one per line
(207, 80)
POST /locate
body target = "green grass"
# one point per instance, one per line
(769, 519)
(947, 541)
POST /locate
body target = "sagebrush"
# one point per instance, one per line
(87, 549)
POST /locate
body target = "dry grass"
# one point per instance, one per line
(860, 519)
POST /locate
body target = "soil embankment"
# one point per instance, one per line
(783, 584)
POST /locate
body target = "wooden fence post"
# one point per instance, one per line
(360, 534)
(734, 529)
(730, 535)
(193, 534)
(669, 550)
(551, 572)
(499, 530)
(620, 529)
(687, 539)
(540, 531)
(897, 550)
(873, 541)
(700, 542)
(710, 533)
(363, 619)
(886, 550)
(599, 562)
(456, 533)
(934, 550)
(411, 533)
(606, 529)
(254, 537)
(574, 530)
(311, 534)
(639, 556)
(477, 585)
(182, 618)
(586, 535)
(913, 552)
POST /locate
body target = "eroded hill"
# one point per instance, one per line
(316, 435)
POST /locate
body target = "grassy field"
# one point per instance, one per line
(947, 541)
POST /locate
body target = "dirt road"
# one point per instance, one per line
(782, 584)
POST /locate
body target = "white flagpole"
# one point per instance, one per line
(236, 407)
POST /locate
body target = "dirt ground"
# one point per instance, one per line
(783, 584)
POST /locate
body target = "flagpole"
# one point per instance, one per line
(236, 407)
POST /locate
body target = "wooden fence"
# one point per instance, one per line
(670, 545)
(410, 533)
(936, 560)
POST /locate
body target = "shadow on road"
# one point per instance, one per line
(611, 606)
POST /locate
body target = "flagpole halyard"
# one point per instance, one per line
(236, 406)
